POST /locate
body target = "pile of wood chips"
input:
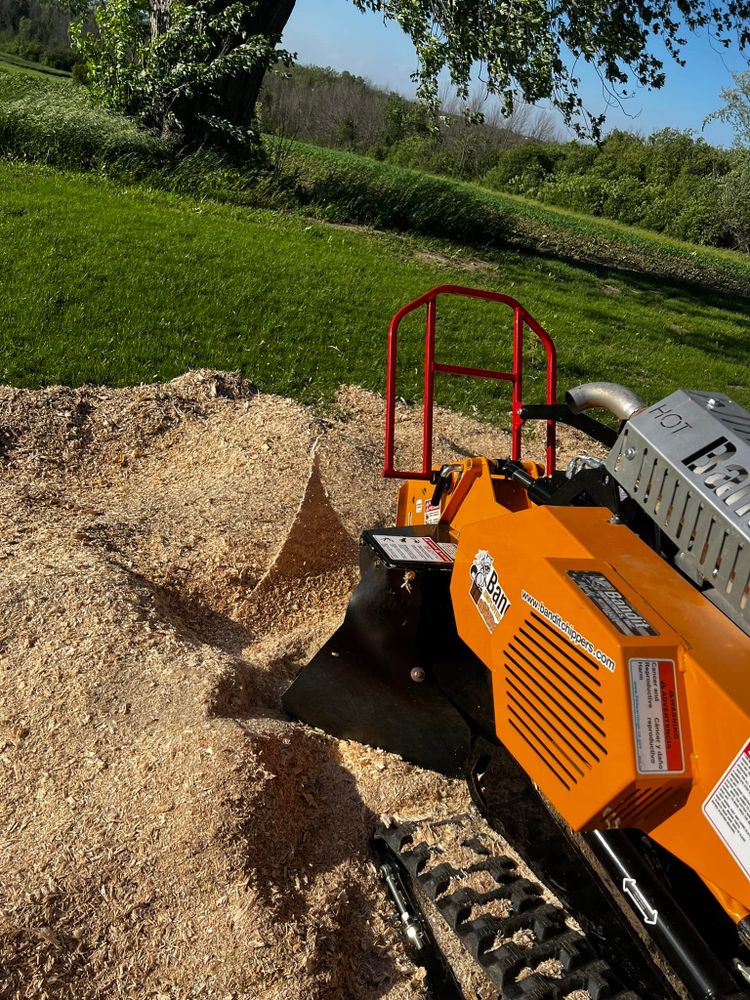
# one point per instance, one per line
(170, 556)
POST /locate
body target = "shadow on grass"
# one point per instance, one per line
(653, 287)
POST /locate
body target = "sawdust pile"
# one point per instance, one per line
(170, 556)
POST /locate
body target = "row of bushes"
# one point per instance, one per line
(52, 122)
(670, 182)
(346, 187)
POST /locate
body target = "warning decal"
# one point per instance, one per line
(727, 808)
(415, 549)
(656, 716)
(431, 514)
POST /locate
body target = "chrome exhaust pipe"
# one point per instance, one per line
(620, 401)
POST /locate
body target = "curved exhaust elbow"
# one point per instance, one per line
(609, 395)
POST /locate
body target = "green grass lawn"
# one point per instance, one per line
(107, 285)
(10, 63)
(338, 185)
(52, 122)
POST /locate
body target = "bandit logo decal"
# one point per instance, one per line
(486, 591)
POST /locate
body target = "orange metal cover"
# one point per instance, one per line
(618, 687)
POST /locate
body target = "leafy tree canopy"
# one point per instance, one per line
(530, 49)
(196, 66)
(736, 109)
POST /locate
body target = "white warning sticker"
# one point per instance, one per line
(431, 514)
(415, 549)
(727, 808)
(656, 716)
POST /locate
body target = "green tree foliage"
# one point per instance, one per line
(531, 49)
(736, 108)
(199, 67)
(110, 53)
(403, 119)
(190, 69)
(671, 181)
(36, 30)
(524, 168)
(735, 201)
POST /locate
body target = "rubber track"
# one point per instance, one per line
(582, 970)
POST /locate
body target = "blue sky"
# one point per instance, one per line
(334, 33)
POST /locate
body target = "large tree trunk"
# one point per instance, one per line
(236, 97)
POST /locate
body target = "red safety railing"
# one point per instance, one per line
(521, 319)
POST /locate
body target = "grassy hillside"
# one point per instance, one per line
(53, 123)
(103, 284)
(10, 63)
(346, 186)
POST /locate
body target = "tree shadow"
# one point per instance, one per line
(245, 689)
(644, 282)
(308, 860)
(304, 844)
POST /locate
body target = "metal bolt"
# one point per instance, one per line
(712, 402)
(418, 674)
(743, 970)
(630, 452)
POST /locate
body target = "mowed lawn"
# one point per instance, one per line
(101, 284)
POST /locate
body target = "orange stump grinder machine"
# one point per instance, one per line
(577, 643)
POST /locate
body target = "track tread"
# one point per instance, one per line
(488, 938)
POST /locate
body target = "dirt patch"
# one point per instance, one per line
(165, 831)
(434, 257)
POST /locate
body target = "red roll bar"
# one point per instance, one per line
(521, 319)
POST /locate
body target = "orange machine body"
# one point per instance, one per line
(621, 690)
